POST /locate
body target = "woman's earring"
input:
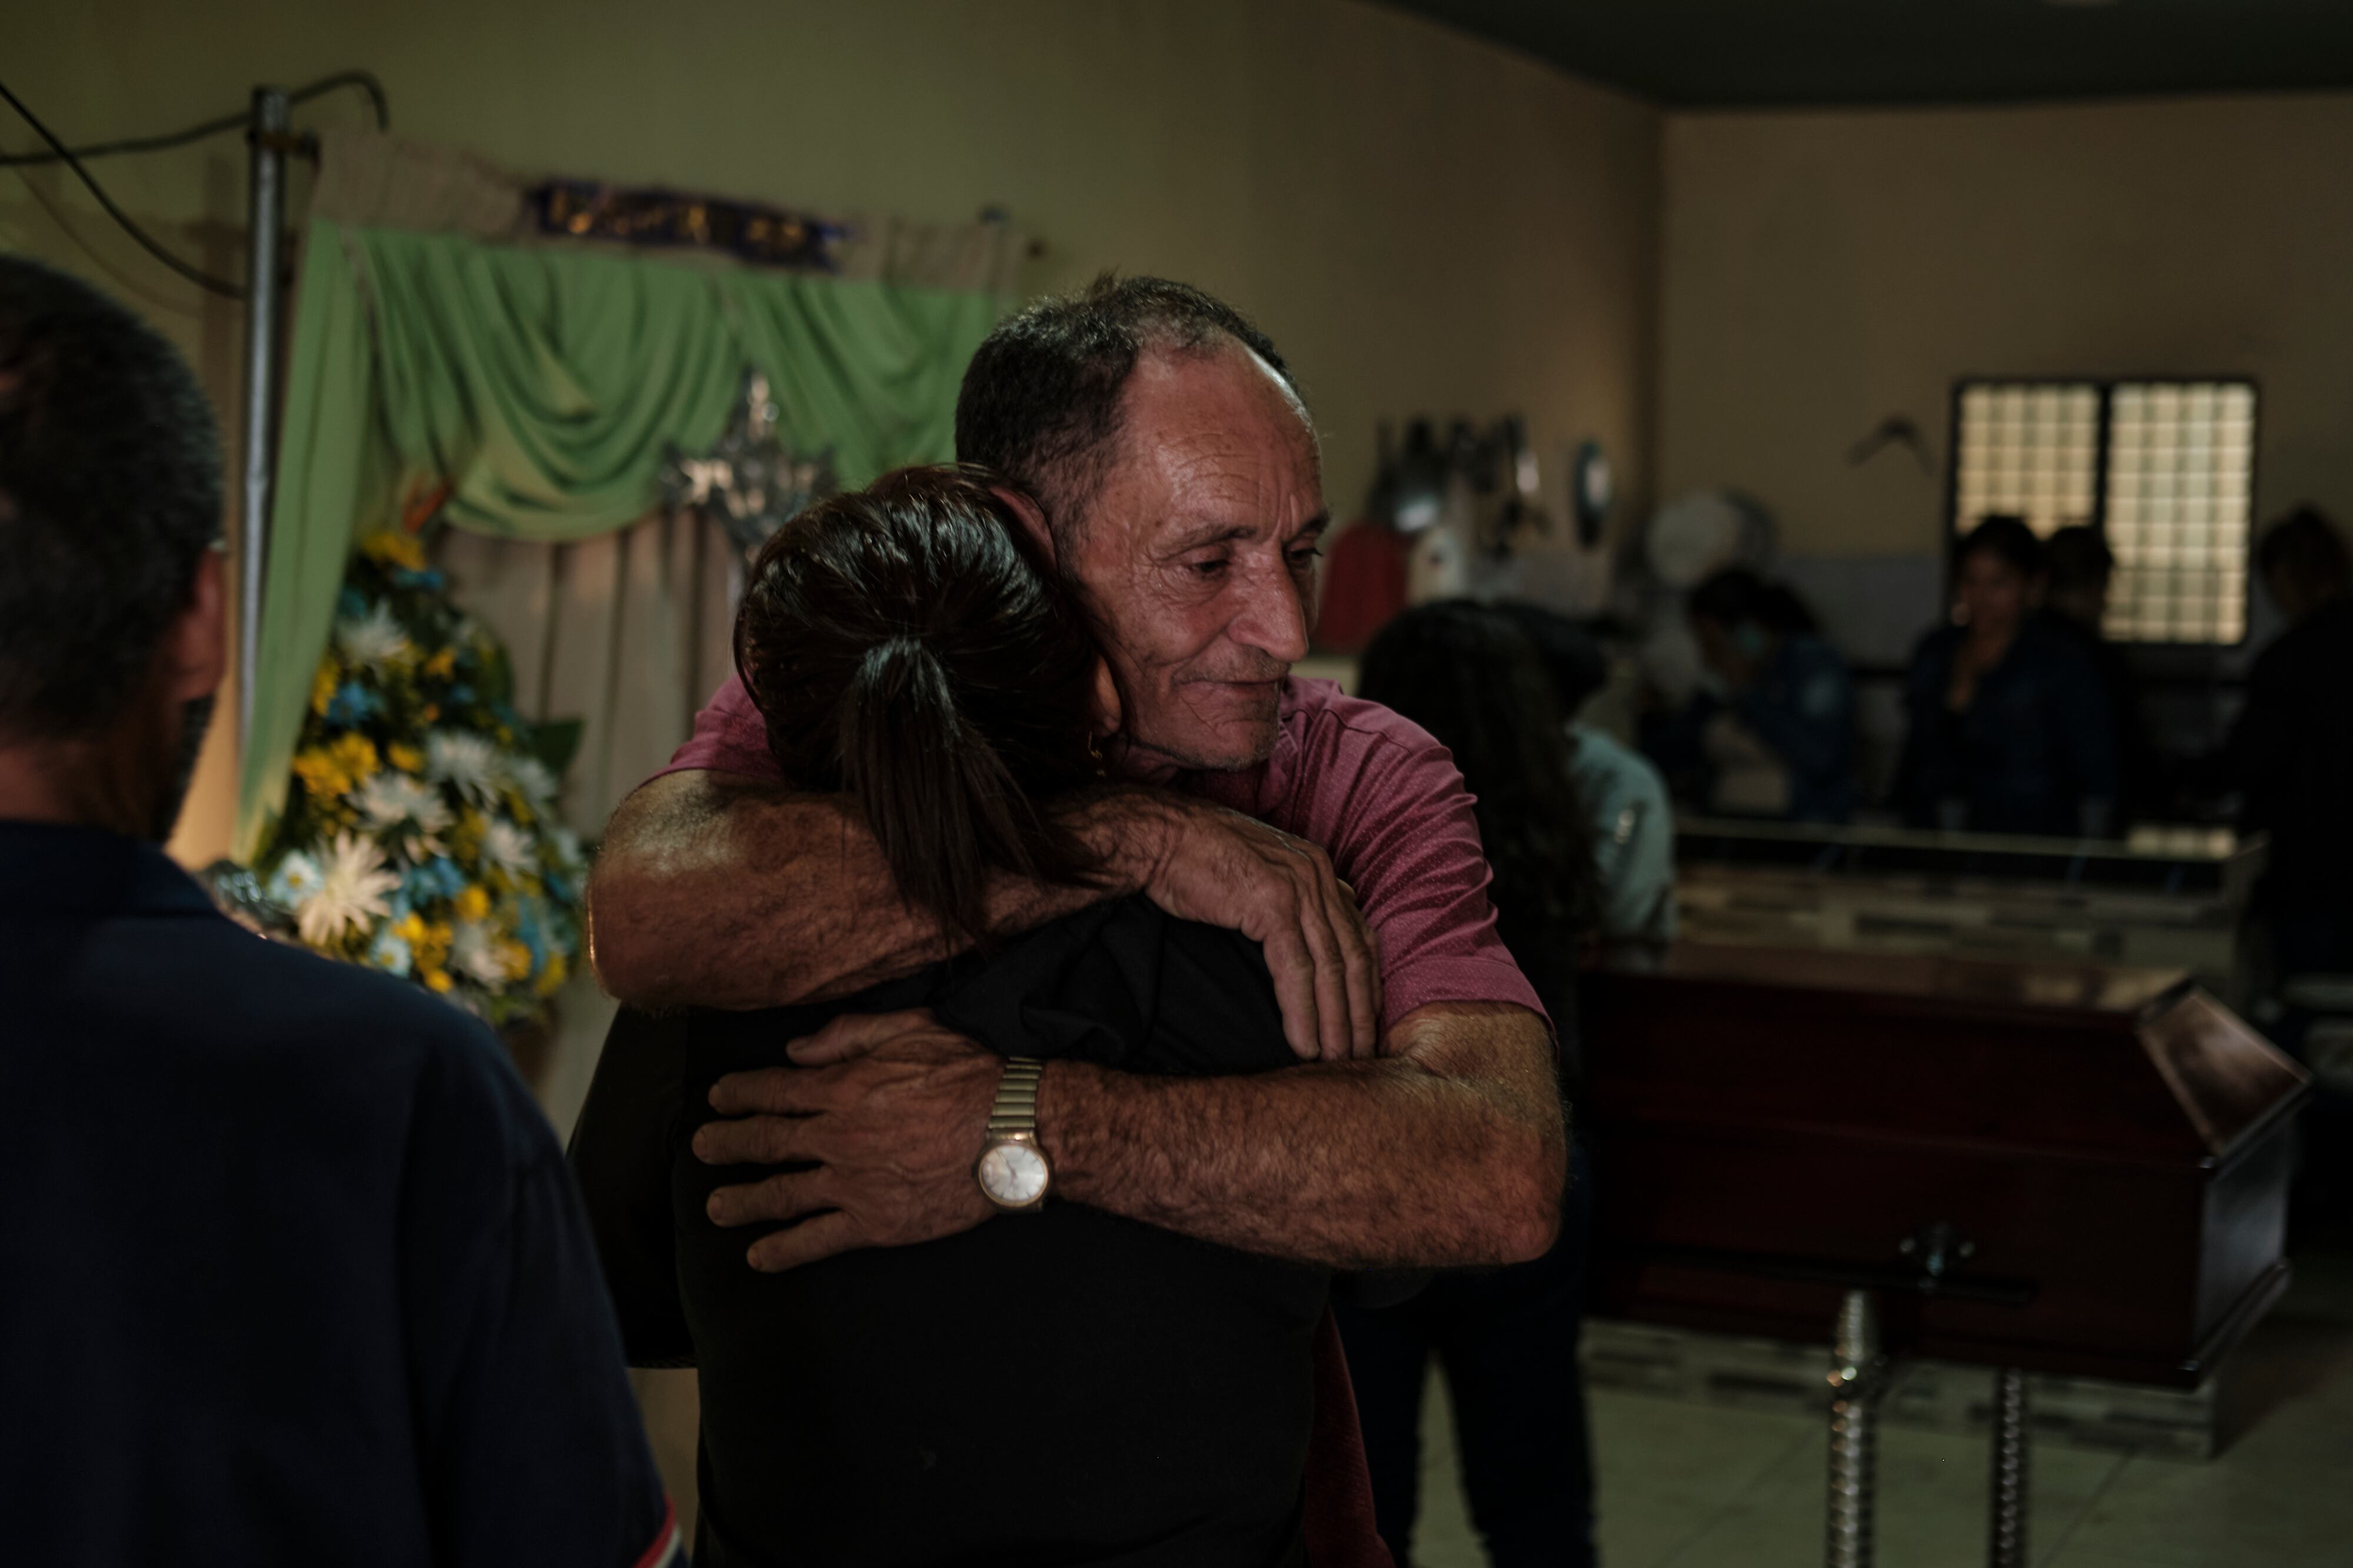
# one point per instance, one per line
(1094, 752)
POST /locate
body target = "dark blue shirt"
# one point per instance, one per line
(291, 1270)
(1801, 705)
(2035, 746)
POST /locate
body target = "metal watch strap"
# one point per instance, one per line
(1015, 1113)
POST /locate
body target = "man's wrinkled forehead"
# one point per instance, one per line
(1214, 420)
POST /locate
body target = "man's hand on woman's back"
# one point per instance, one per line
(1201, 862)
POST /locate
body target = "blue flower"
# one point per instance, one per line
(429, 580)
(297, 878)
(437, 880)
(351, 605)
(353, 704)
(389, 953)
(531, 933)
(461, 694)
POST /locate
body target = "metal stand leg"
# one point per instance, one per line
(1854, 1386)
(2006, 1535)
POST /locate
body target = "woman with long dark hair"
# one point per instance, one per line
(1060, 1387)
(1505, 1339)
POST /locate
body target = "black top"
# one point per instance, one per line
(1065, 1387)
(2140, 770)
(2292, 753)
(290, 1269)
(2035, 745)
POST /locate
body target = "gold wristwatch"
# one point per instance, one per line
(1013, 1172)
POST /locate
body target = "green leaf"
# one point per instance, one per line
(555, 743)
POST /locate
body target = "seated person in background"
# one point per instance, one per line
(1506, 1339)
(2290, 754)
(2009, 729)
(1778, 731)
(2078, 569)
(1063, 1385)
(1625, 800)
(294, 1272)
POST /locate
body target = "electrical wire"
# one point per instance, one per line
(365, 81)
(200, 277)
(72, 158)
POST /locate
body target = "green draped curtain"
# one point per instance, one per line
(542, 385)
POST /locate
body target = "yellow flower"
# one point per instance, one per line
(465, 840)
(410, 929)
(517, 958)
(552, 977)
(323, 774)
(407, 759)
(394, 547)
(437, 979)
(354, 757)
(322, 687)
(473, 903)
(443, 664)
(432, 711)
(434, 946)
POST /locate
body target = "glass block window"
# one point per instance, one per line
(2033, 448)
(2180, 483)
(2166, 469)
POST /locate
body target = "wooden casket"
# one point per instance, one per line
(2061, 1167)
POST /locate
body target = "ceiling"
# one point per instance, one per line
(1728, 53)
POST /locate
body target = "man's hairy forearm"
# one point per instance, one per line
(724, 892)
(1449, 1150)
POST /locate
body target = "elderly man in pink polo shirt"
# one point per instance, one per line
(1179, 487)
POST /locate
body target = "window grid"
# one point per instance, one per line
(2165, 467)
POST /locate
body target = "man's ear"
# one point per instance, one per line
(1110, 713)
(1032, 516)
(196, 650)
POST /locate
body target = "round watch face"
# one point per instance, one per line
(1013, 1173)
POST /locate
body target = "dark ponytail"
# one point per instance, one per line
(909, 648)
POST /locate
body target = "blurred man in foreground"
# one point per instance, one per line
(294, 1273)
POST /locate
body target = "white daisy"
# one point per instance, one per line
(404, 810)
(508, 849)
(374, 640)
(474, 954)
(389, 799)
(531, 777)
(352, 886)
(468, 763)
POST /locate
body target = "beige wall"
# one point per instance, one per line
(1424, 222)
(1822, 270)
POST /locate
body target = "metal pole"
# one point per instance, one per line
(1854, 1388)
(265, 227)
(2006, 1537)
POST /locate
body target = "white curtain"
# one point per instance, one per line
(627, 633)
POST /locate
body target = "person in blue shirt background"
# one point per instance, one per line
(1625, 800)
(2009, 727)
(1780, 705)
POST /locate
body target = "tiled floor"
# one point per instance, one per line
(1694, 1486)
